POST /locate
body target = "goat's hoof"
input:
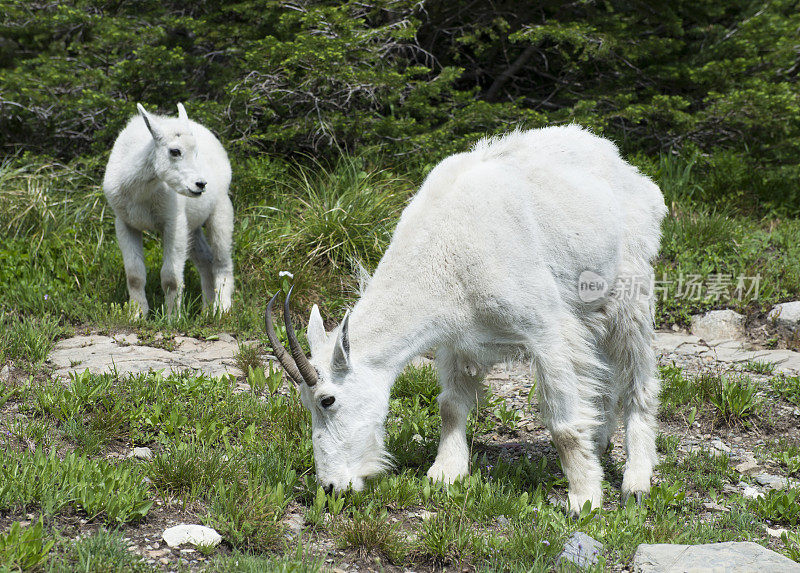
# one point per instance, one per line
(637, 495)
(444, 473)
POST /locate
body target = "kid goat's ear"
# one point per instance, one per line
(155, 131)
(182, 113)
(315, 333)
(340, 362)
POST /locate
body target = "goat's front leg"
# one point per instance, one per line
(130, 243)
(461, 383)
(176, 238)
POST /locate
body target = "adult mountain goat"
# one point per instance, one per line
(171, 175)
(504, 252)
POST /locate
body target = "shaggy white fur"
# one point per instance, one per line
(484, 266)
(171, 175)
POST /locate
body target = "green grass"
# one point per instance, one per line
(242, 473)
(99, 552)
(318, 221)
(240, 462)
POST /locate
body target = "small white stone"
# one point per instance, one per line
(141, 453)
(777, 532)
(192, 534)
(751, 492)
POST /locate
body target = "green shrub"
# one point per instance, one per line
(24, 548)
(780, 506)
(95, 486)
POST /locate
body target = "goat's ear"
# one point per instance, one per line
(155, 131)
(340, 362)
(182, 113)
(315, 333)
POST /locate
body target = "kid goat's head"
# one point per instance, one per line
(175, 154)
(348, 405)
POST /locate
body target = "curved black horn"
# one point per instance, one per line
(277, 348)
(306, 369)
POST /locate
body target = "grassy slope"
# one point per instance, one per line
(241, 462)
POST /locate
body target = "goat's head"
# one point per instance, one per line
(348, 401)
(175, 154)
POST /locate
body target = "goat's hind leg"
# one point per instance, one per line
(608, 406)
(461, 383)
(201, 256)
(630, 332)
(219, 229)
(567, 371)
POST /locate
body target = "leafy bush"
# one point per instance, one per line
(736, 399)
(24, 548)
(713, 82)
(337, 217)
(370, 531)
(95, 486)
(788, 387)
(780, 506)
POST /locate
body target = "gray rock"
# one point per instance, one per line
(747, 466)
(720, 446)
(100, 354)
(718, 325)
(771, 481)
(711, 506)
(192, 534)
(786, 315)
(730, 557)
(580, 550)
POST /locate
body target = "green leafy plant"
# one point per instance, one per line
(95, 486)
(665, 496)
(788, 387)
(760, 366)
(101, 552)
(369, 531)
(248, 513)
(24, 548)
(780, 506)
(791, 541)
(735, 399)
(248, 358)
(791, 460)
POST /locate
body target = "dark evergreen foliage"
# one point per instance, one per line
(715, 81)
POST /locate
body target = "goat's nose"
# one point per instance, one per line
(200, 184)
(328, 488)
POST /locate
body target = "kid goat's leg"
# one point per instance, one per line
(202, 257)
(219, 229)
(461, 383)
(176, 239)
(130, 243)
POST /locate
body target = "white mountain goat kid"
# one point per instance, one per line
(171, 175)
(489, 262)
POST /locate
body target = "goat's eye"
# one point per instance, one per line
(175, 152)
(327, 401)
